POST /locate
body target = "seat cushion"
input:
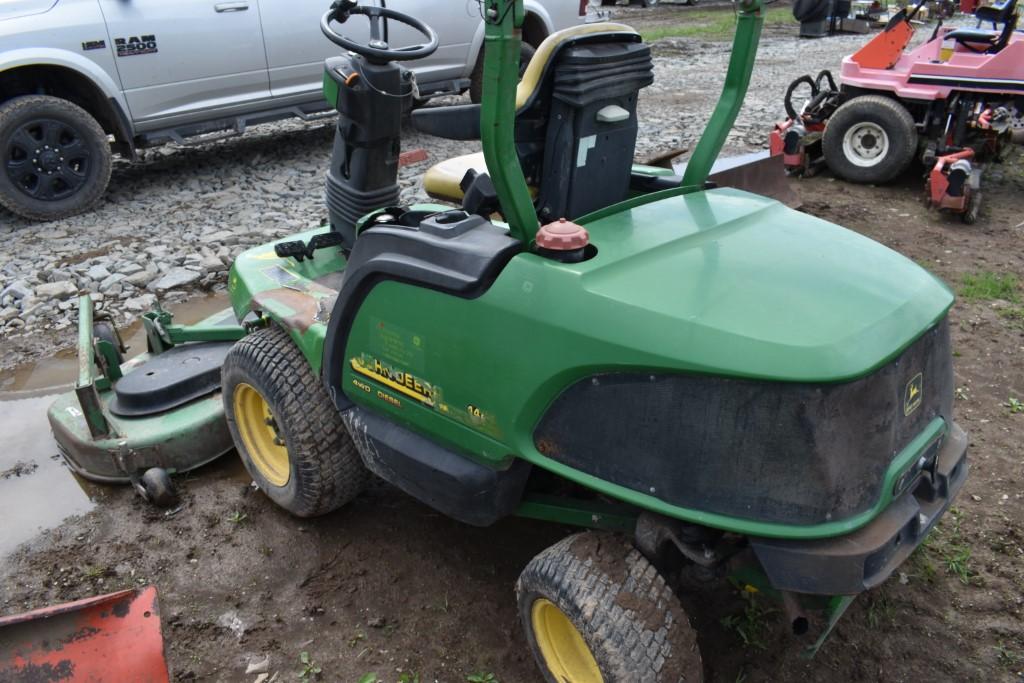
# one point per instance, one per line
(973, 35)
(442, 180)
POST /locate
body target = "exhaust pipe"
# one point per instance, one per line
(798, 620)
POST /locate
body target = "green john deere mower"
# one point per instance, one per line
(705, 378)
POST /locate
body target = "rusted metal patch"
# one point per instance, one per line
(296, 310)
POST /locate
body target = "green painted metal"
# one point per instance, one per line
(86, 389)
(106, 447)
(330, 90)
(737, 79)
(179, 334)
(278, 288)
(85, 359)
(502, 39)
(178, 440)
(836, 609)
(590, 514)
(719, 282)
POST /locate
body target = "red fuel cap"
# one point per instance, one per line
(562, 235)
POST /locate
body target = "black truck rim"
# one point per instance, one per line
(48, 160)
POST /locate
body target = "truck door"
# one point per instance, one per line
(296, 49)
(183, 57)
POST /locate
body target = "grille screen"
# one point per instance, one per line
(769, 451)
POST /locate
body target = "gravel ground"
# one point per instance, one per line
(170, 225)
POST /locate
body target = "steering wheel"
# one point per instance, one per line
(377, 49)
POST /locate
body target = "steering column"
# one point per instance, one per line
(369, 90)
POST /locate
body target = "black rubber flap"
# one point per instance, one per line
(170, 379)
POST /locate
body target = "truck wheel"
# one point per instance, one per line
(287, 432)
(476, 79)
(594, 609)
(870, 139)
(56, 158)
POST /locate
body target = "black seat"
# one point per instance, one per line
(980, 40)
(995, 14)
(575, 126)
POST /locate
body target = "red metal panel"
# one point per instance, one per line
(109, 638)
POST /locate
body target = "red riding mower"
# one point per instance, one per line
(949, 102)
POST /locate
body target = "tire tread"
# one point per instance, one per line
(624, 642)
(12, 199)
(328, 470)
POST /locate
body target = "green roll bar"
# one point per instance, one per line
(502, 38)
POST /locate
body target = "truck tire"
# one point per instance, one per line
(594, 609)
(287, 432)
(870, 139)
(56, 158)
(476, 79)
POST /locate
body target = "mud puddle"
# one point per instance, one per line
(37, 490)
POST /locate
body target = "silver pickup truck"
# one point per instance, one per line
(81, 80)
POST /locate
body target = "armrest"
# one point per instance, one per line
(455, 122)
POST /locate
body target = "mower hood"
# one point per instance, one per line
(741, 285)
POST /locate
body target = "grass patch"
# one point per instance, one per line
(988, 286)
(712, 25)
(751, 625)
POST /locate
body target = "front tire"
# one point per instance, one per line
(54, 158)
(287, 432)
(595, 610)
(870, 139)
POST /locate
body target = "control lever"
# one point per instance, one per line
(478, 194)
(300, 251)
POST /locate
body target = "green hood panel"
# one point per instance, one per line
(741, 285)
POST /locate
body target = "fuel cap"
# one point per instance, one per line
(562, 235)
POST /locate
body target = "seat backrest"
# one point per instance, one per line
(996, 14)
(576, 123)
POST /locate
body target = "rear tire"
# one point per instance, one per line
(54, 158)
(592, 602)
(870, 139)
(287, 432)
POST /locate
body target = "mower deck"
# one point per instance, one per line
(161, 409)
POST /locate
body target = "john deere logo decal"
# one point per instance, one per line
(913, 393)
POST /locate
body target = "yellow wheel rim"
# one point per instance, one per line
(561, 644)
(261, 435)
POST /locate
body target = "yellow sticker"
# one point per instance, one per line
(913, 394)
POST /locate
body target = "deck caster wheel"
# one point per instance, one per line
(970, 215)
(288, 433)
(870, 139)
(589, 604)
(105, 330)
(156, 487)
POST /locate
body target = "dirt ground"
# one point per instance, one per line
(386, 585)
